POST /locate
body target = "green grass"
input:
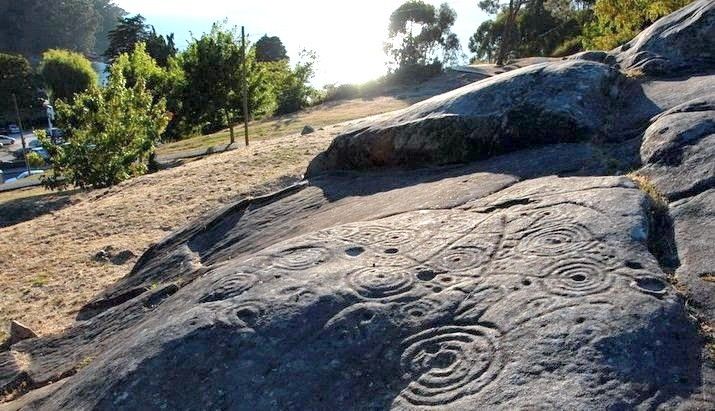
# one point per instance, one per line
(39, 281)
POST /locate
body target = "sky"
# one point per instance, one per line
(347, 35)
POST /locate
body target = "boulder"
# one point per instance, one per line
(307, 130)
(681, 41)
(20, 332)
(548, 103)
(678, 150)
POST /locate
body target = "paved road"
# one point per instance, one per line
(7, 155)
(6, 152)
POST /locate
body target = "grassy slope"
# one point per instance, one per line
(321, 116)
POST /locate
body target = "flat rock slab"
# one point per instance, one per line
(254, 224)
(543, 293)
(548, 103)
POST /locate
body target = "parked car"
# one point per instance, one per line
(14, 129)
(6, 141)
(24, 174)
(42, 152)
(34, 144)
(56, 134)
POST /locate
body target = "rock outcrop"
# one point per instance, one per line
(539, 278)
(694, 228)
(681, 41)
(541, 104)
(447, 308)
(679, 148)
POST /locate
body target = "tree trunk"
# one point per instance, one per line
(506, 41)
(230, 127)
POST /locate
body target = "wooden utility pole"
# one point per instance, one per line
(244, 86)
(22, 134)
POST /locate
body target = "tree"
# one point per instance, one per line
(16, 77)
(110, 132)
(138, 64)
(213, 68)
(292, 86)
(529, 28)
(486, 40)
(510, 9)
(133, 30)
(618, 21)
(66, 73)
(418, 32)
(159, 47)
(126, 34)
(109, 14)
(270, 49)
(33, 26)
(162, 82)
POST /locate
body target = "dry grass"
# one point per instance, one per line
(320, 116)
(48, 268)
(658, 198)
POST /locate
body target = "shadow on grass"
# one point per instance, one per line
(18, 210)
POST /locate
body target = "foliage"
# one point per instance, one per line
(35, 160)
(291, 86)
(618, 21)
(569, 47)
(139, 64)
(161, 48)
(16, 77)
(162, 82)
(66, 73)
(529, 28)
(486, 40)
(30, 27)
(109, 14)
(418, 32)
(269, 49)
(130, 31)
(110, 134)
(213, 70)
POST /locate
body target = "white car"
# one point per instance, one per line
(6, 141)
(24, 174)
(14, 129)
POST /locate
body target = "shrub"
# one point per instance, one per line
(66, 73)
(110, 132)
(342, 92)
(415, 73)
(35, 160)
(568, 47)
